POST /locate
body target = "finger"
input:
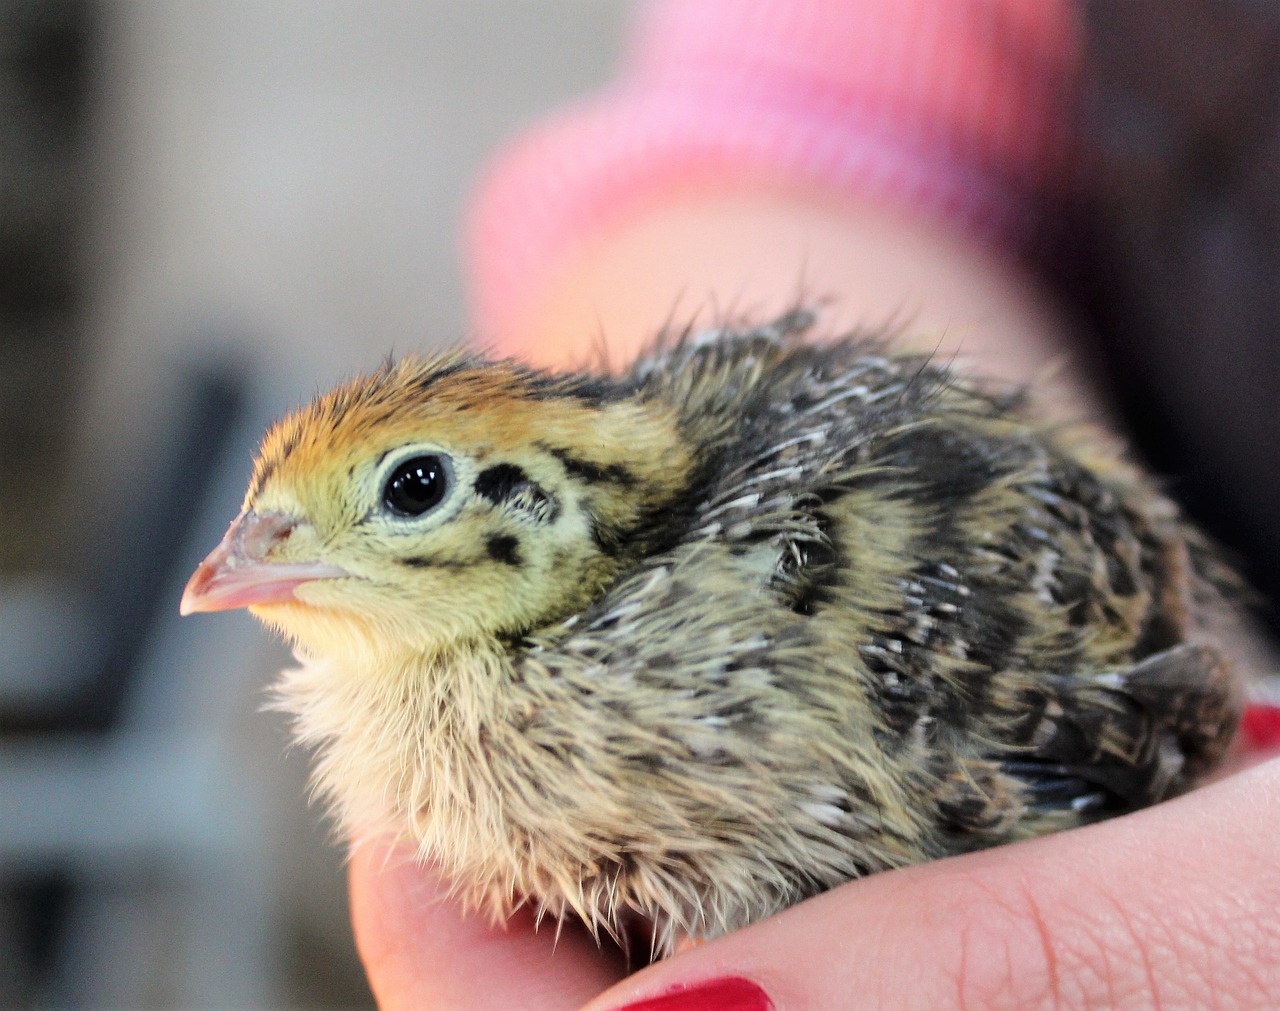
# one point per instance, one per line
(1177, 906)
(422, 952)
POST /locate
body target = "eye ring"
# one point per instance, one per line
(417, 485)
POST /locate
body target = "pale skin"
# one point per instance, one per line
(1175, 906)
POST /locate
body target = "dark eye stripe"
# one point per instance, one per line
(430, 562)
(504, 548)
(505, 484)
(500, 482)
(592, 473)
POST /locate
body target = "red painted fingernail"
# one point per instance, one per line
(1261, 727)
(729, 994)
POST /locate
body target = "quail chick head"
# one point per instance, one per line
(691, 643)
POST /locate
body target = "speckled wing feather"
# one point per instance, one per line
(869, 541)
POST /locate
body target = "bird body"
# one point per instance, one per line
(753, 618)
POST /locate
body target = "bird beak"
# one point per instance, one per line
(238, 574)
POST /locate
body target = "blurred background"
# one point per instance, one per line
(207, 211)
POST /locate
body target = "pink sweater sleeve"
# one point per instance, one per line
(956, 109)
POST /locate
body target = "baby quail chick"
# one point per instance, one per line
(692, 643)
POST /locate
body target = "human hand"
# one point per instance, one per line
(423, 952)
(1174, 906)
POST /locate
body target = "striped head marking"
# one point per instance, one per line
(441, 499)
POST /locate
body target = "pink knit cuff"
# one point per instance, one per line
(955, 109)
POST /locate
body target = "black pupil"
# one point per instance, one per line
(416, 486)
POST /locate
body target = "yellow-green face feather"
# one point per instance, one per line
(464, 500)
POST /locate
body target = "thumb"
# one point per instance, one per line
(422, 952)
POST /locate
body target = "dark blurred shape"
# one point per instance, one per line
(139, 861)
(45, 48)
(31, 915)
(45, 70)
(131, 577)
(105, 605)
(67, 654)
(71, 660)
(1181, 268)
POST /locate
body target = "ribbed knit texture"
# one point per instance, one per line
(955, 109)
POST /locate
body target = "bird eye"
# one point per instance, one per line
(416, 486)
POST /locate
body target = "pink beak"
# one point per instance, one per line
(238, 574)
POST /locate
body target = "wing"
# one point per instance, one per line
(1130, 737)
(992, 623)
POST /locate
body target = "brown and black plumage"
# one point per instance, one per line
(697, 641)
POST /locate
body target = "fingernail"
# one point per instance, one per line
(729, 994)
